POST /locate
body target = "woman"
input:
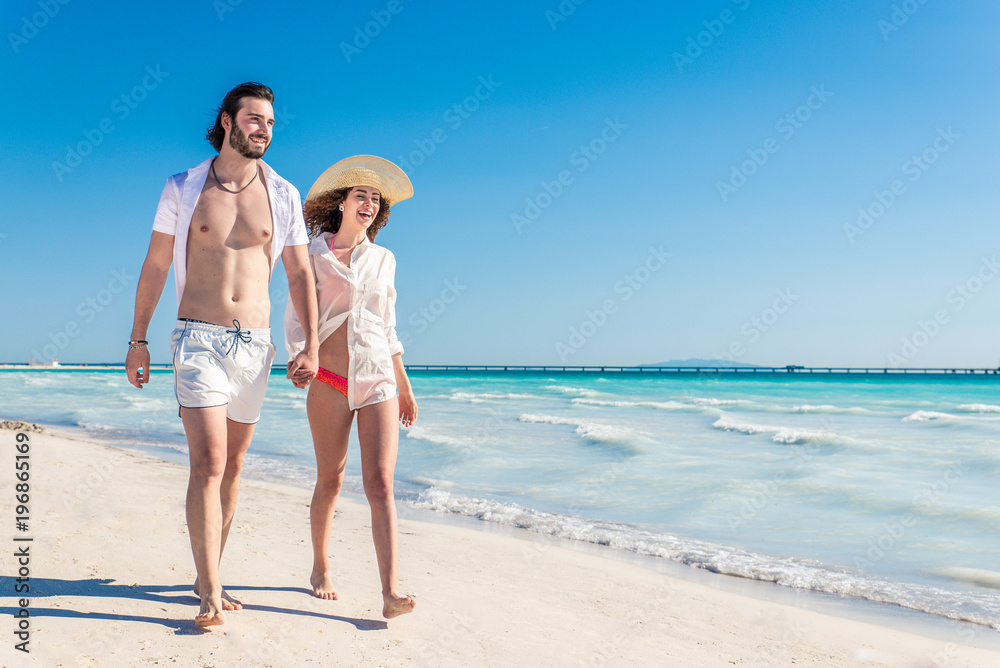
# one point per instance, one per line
(360, 359)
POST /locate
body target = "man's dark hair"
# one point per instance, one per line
(231, 104)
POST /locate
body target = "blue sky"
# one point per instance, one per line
(622, 183)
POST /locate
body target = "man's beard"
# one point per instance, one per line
(239, 141)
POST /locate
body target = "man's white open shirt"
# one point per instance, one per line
(180, 197)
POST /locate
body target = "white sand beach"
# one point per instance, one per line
(111, 569)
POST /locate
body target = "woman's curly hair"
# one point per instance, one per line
(323, 214)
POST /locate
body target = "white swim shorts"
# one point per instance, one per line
(219, 366)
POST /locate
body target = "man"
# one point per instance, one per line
(224, 224)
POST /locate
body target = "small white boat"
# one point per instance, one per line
(35, 363)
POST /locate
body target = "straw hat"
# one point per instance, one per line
(364, 170)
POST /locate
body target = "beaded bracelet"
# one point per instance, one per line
(137, 343)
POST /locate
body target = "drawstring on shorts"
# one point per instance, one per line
(239, 334)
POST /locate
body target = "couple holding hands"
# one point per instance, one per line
(223, 225)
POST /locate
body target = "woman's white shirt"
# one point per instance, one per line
(364, 296)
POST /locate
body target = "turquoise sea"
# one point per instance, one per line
(876, 487)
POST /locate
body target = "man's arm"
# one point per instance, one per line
(147, 296)
(302, 292)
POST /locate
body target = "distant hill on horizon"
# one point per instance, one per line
(697, 361)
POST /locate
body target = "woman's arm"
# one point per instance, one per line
(407, 402)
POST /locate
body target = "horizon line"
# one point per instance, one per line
(744, 369)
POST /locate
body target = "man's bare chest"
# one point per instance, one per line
(233, 221)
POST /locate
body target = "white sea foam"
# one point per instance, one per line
(727, 424)
(97, 426)
(925, 416)
(981, 608)
(928, 416)
(763, 407)
(662, 405)
(783, 435)
(432, 482)
(711, 401)
(603, 433)
(596, 402)
(148, 436)
(283, 470)
(473, 398)
(576, 391)
(140, 402)
(422, 434)
(591, 431)
(828, 409)
(979, 408)
(976, 576)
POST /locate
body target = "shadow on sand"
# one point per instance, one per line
(42, 588)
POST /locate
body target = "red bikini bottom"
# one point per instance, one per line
(338, 383)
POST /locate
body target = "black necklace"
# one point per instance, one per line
(235, 192)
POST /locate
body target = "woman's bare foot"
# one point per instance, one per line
(394, 606)
(322, 585)
(228, 602)
(210, 613)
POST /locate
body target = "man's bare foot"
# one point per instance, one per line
(229, 603)
(394, 606)
(210, 613)
(322, 585)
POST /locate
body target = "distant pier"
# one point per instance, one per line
(642, 370)
(681, 370)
